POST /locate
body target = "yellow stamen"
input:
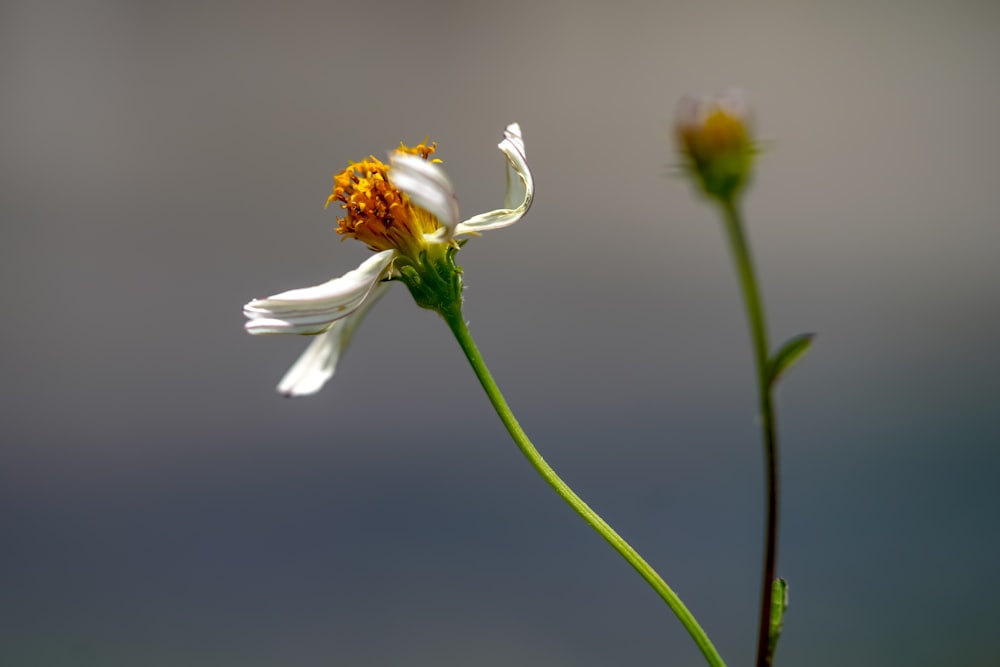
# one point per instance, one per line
(722, 131)
(376, 213)
(716, 134)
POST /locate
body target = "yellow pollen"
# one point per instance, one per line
(722, 131)
(375, 212)
(719, 132)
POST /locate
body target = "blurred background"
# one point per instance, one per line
(162, 163)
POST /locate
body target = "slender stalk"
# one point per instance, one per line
(758, 331)
(456, 321)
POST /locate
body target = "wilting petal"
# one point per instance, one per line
(311, 310)
(520, 188)
(318, 363)
(426, 184)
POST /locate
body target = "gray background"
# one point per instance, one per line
(162, 163)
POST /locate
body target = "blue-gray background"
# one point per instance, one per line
(164, 162)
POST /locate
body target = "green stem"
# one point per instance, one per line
(758, 331)
(456, 321)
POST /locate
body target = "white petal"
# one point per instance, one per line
(318, 363)
(693, 111)
(734, 102)
(689, 113)
(311, 310)
(426, 184)
(520, 188)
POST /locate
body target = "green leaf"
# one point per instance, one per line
(779, 603)
(787, 354)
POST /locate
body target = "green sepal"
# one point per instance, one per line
(433, 278)
(787, 354)
(779, 603)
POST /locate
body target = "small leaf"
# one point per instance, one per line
(787, 355)
(779, 603)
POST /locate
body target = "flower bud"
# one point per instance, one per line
(714, 138)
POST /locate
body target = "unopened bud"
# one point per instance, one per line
(714, 137)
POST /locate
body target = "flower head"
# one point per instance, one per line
(376, 212)
(714, 138)
(406, 211)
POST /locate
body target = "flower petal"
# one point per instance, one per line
(520, 188)
(311, 310)
(318, 363)
(428, 186)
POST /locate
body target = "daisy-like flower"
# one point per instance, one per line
(407, 213)
(713, 134)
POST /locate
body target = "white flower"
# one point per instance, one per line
(404, 211)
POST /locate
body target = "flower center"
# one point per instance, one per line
(714, 135)
(722, 132)
(375, 212)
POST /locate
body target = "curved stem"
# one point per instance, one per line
(457, 324)
(758, 331)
